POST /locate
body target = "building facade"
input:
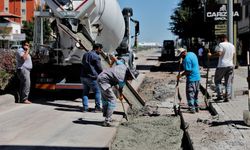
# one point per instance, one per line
(23, 8)
(12, 15)
(10, 33)
(244, 30)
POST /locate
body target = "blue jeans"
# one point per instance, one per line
(88, 84)
(192, 91)
(228, 74)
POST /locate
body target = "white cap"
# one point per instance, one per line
(179, 51)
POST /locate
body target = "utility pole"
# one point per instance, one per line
(204, 3)
(230, 32)
(230, 20)
(41, 10)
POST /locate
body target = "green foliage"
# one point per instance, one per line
(7, 68)
(188, 20)
(46, 29)
(28, 29)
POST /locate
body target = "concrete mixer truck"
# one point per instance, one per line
(75, 26)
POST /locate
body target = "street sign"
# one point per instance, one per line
(220, 32)
(220, 29)
(218, 12)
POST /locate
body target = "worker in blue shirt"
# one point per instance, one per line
(192, 73)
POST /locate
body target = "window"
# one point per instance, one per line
(23, 11)
(23, 1)
(246, 11)
(6, 9)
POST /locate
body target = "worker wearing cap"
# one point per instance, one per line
(117, 75)
(192, 73)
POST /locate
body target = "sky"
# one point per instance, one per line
(154, 18)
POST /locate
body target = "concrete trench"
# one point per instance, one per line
(145, 129)
(203, 133)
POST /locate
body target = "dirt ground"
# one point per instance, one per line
(145, 130)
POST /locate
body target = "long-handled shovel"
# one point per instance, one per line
(206, 94)
(125, 113)
(246, 113)
(177, 92)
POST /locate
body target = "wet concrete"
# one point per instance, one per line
(154, 126)
(147, 133)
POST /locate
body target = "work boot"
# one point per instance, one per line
(197, 109)
(98, 109)
(191, 110)
(84, 110)
(107, 123)
(226, 100)
(218, 99)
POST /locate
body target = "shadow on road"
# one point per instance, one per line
(50, 98)
(84, 122)
(233, 123)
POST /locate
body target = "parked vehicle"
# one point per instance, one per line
(76, 25)
(168, 50)
(15, 47)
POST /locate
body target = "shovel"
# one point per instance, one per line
(177, 92)
(125, 113)
(246, 113)
(206, 94)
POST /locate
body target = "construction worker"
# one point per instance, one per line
(115, 76)
(192, 73)
(91, 68)
(225, 51)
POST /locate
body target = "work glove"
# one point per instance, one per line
(121, 97)
(178, 76)
(112, 59)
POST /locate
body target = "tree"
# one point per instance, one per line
(188, 20)
(28, 29)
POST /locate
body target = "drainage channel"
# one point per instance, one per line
(187, 143)
(140, 124)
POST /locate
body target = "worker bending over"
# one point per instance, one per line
(115, 76)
